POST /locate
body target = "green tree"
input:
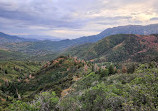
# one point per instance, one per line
(111, 69)
(104, 72)
(131, 68)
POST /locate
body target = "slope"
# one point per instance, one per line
(121, 47)
(56, 75)
(99, 90)
(118, 92)
(11, 71)
(10, 55)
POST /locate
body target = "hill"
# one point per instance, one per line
(11, 71)
(68, 84)
(118, 48)
(55, 75)
(6, 55)
(116, 92)
(5, 38)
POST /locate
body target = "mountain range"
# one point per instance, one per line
(129, 29)
(41, 37)
(5, 38)
(50, 49)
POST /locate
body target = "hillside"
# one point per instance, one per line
(116, 92)
(6, 55)
(68, 84)
(121, 47)
(11, 71)
(55, 75)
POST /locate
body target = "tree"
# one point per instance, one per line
(131, 68)
(111, 69)
(104, 72)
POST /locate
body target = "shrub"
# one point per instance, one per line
(111, 70)
(104, 72)
(131, 68)
(45, 101)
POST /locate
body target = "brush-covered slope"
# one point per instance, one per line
(56, 75)
(119, 92)
(15, 70)
(104, 88)
(11, 71)
(38, 48)
(6, 55)
(121, 47)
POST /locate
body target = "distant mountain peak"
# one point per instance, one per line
(5, 38)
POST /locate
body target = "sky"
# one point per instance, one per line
(73, 18)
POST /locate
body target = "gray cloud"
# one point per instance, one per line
(54, 16)
(154, 19)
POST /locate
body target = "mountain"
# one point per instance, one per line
(5, 38)
(132, 29)
(45, 48)
(117, 48)
(40, 37)
(59, 46)
(129, 29)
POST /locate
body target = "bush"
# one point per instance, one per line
(131, 68)
(104, 72)
(111, 70)
(45, 101)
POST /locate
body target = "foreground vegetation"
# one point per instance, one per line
(121, 91)
(68, 83)
(15, 71)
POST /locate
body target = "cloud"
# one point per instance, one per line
(73, 18)
(154, 19)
